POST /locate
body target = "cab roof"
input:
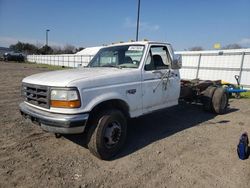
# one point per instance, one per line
(136, 43)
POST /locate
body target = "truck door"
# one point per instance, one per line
(158, 80)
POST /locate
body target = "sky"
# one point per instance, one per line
(85, 23)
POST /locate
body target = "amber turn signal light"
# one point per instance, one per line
(65, 104)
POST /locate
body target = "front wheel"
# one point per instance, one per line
(107, 134)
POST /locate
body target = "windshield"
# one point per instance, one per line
(127, 56)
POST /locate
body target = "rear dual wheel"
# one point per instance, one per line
(215, 99)
(207, 98)
(220, 101)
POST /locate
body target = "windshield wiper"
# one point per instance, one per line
(116, 66)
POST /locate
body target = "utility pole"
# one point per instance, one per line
(47, 36)
(138, 19)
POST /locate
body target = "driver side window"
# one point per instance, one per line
(158, 58)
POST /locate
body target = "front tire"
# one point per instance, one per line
(107, 134)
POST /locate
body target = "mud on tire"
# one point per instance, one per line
(107, 134)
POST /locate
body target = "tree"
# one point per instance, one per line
(28, 48)
(57, 50)
(232, 46)
(17, 47)
(46, 50)
(69, 49)
(196, 48)
(79, 49)
(24, 48)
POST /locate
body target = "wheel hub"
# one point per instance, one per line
(112, 134)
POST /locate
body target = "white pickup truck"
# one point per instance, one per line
(122, 81)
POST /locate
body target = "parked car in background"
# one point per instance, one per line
(13, 56)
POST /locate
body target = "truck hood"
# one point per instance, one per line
(63, 78)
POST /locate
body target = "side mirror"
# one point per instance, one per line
(177, 62)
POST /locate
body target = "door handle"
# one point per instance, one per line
(158, 72)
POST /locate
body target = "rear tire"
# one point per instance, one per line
(207, 98)
(220, 100)
(107, 134)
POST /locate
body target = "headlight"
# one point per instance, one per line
(62, 98)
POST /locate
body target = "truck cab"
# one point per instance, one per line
(122, 81)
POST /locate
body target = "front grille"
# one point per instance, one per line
(36, 94)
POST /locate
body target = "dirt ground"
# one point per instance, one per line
(178, 147)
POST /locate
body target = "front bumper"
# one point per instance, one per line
(54, 122)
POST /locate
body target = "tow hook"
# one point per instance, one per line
(57, 135)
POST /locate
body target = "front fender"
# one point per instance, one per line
(94, 101)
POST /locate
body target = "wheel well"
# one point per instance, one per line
(114, 103)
